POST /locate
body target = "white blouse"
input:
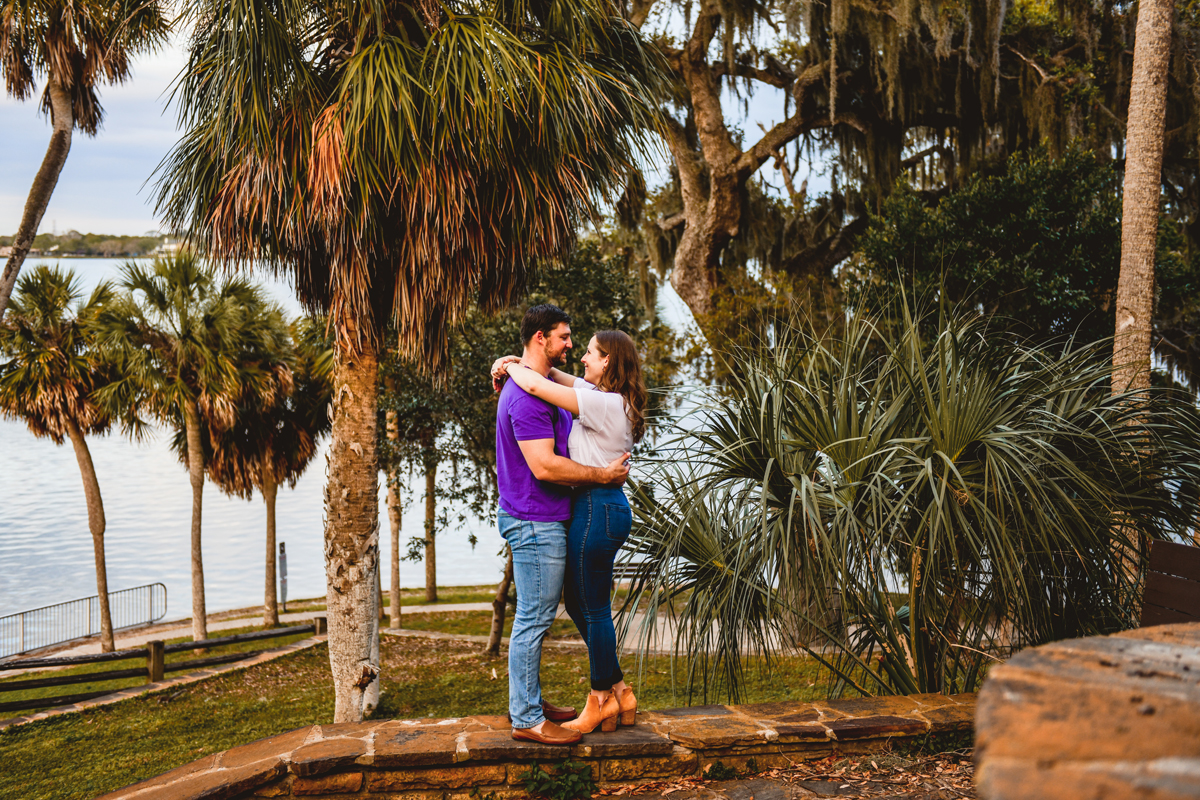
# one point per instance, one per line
(603, 431)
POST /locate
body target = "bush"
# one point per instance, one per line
(910, 508)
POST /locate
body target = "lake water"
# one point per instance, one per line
(46, 549)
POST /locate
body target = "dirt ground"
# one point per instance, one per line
(944, 776)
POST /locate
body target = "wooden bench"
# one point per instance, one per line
(1172, 591)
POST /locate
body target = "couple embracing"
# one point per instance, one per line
(563, 512)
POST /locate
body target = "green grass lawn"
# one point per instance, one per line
(84, 754)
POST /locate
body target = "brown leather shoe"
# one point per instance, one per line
(551, 734)
(554, 713)
(558, 713)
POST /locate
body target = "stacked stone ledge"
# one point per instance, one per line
(1102, 717)
(447, 759)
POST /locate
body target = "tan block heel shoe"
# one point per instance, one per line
(628, 706)
(593, 714)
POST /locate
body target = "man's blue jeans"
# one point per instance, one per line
(539, 552)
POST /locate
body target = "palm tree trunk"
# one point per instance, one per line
(499, 606)
(1143, 190)
(1139, 228)
(195, 460)
(96, 524)
(352, 526)
(63, 121)
(270, 490)
(394, 511)
(379, 613)
(372, 692)
(430, 520)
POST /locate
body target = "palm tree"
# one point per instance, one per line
(75, 45)
(402, 161)
(273, 444)
(1142, 195)
(191, 347)
(48, 381)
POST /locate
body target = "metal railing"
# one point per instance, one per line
(74, 619)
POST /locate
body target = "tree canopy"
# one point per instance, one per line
(879, 91)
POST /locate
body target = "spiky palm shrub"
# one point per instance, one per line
(908, 508)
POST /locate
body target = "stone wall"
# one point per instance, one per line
(1102, 717)
(446, 759)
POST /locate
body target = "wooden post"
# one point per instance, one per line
(155, 661)
(320, 625)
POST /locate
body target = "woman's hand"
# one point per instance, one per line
(500, 366)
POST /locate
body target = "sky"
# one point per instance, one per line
(105, 186)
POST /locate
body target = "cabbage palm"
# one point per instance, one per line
(398, 161)
(48, 380)
(190, 347)
(909, 508)
(273, 443)
(74, 45)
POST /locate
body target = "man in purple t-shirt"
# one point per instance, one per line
(535, 473)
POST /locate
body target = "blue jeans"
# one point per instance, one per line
(539, 551)
(600, 523)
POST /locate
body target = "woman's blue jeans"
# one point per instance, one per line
(600, 523)
(539, 551)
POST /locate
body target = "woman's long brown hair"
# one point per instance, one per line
(623, 375)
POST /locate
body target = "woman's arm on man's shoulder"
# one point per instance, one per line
(544, 388)
(562, 378)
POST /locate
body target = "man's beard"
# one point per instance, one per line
(559, 360)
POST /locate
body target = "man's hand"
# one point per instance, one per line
(617, 471)
(547, 465)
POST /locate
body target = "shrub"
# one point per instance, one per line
(909, 508)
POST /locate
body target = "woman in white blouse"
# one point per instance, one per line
(610, 403)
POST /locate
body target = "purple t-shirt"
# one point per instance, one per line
(521, 417)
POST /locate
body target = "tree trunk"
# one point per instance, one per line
(712, 203)
(430, 521)
(195, 461)
(394, 511)
(63, 120)
(1143, 190)
(270, 490)
(372, 692)
(499, 606)
(96, 524)
(352, 525)
(379, 613)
